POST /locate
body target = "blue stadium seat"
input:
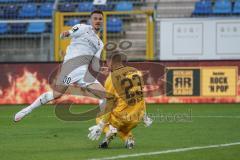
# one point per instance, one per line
(36, 27)
(221, 0)
(3, 28)
(7, 1)
(114, 25)
(236, 8)
(73, 21)
(85, 7)
(45, 10)
(74, 1)
(10, 11)
(1, 12)
(124, 6)
(24, 1)
(67, 7)
(18, 28)
(28, 11)
(108, 7)
(222, 7)
(203, 8)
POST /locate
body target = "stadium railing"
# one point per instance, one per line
(25, 30)
(25, 40)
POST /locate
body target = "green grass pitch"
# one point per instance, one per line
(42, 135)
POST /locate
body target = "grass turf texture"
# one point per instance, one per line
(42, 136)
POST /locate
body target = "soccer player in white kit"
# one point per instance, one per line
(86, 48)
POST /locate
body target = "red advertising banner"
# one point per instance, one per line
(22, 83)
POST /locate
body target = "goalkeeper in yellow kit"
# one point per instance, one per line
(125, 104)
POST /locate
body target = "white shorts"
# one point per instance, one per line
(80, 75)
(75, 67)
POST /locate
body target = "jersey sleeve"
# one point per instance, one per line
(77, 30)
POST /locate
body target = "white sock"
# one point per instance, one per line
(43, 99)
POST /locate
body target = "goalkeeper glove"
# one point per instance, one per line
(147, 120)
(96, 131)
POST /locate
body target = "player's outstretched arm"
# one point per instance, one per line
(76, 31)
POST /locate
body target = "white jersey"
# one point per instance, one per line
(84, 41)
(84, 49)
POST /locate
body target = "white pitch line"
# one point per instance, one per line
(216, 117)
(220, 116)
(167, 151)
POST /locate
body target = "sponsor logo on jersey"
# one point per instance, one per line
(75, 28)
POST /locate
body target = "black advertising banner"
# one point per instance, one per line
(183, 82)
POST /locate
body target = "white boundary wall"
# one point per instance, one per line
(199, 38)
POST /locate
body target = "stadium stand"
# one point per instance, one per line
(18, 16)
(36, 27)
(216, 8)
(236, 8)
(25, 13)
(7, 1)
(67, 7)
(85, 7)
(1, 12)
(10, 12)
(171, 8)
(222, 7)
(45, 10)
(28, 11)
(114, 25)
(18, 28)
(3, 28)
(203, 8)
(25, 27)
(107, 7)
(73, 21)
(124, 6)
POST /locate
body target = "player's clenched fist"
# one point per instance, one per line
(64, 34)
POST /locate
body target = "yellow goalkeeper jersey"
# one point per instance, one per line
(125, 85)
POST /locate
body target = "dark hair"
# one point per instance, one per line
(96, 12)
(83, 21)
